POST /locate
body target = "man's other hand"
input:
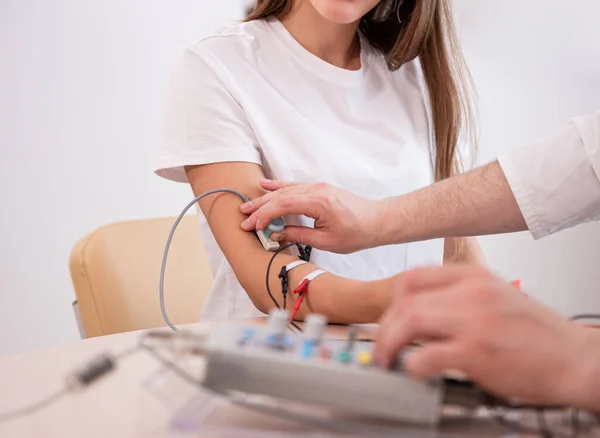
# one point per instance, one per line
(468, 320)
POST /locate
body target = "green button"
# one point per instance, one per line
(344, 356)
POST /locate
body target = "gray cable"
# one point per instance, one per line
(6, 416)
(168, 245)
(44, 403)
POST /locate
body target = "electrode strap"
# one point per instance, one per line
(293, 265)
(315, 274)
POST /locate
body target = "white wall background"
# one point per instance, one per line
(536, 63)
(81, 90)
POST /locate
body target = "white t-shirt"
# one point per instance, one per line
(254, 94)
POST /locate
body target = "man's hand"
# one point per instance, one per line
(470, 321)
(344, 222)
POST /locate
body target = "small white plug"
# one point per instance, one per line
(275, 226)
(267, 243)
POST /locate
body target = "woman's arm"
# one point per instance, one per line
(340, 299)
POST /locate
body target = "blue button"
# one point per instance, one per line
(273, 339)
(276, 225)
(307, 349)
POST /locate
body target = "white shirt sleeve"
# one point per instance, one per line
(556, 181)
(203, 122)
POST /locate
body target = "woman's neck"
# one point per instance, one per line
(335, 43)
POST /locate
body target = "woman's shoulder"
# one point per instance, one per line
(239, 40)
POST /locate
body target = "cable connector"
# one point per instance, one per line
(304, 252)
(284, 284)
(283, 276)
(307, 253)
(94, 370)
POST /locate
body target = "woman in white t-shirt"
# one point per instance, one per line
(362, 94)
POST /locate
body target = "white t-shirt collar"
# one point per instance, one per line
(325, 70)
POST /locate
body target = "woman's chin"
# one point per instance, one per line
(343, 11)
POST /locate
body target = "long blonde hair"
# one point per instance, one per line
(424, 29)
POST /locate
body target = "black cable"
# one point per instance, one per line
(304, 255)
(283, 248)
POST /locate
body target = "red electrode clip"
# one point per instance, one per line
(301, 290)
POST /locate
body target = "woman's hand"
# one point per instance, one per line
(344, 222)
(470, 321)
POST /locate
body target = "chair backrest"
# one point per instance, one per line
(115, 272)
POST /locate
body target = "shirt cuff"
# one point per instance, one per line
(554, 182)
(523, 195)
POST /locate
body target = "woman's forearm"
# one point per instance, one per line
(475, 203)
(340, 299)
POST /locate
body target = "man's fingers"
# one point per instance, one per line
(433, 359)
(390, 340)
(281, 206)
(427, 316)
(277, 191)
(418, 281)
(302, 235)
(256, 203)
(272, 185)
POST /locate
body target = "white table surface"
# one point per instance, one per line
(111, 407)
(138, 399)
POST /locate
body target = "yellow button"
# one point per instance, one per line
(364, 358)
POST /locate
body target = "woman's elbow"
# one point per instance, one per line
(258, 295)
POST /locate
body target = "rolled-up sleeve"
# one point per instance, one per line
(556, 181)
